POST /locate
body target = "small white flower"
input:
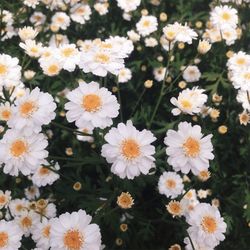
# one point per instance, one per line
(80, 13)
(192, 74)
(124, 75)
(147, 25)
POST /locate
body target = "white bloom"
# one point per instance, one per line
(133, 36)
(32, 192)
(128, 5)
(238, 61)
(80, 13)
(189, 101)
(224, 17)
(10, 71)
(206, 225)
(86, 128)
(22, 153)
(27, 33)
(61, 20)
(32, 110)
(5, 198)
(32, 48)
(31, 3)
(51, 66)
(170, 184)
(5, 111)
(101, 8)
(151, 42)
(69, 56)
(241, 79)
(44, 176)
(129, 150)
(192, 74)
(243, 97)
(10, 235)
(124, 75)
(229, 35)
(74, 231)
(41, 234)
(147, 25)
(37, 18)
(188, 149)
(159, 73)
(90, 103)
(197, 246)
(18, 206)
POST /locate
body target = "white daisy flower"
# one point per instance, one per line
(5, 198)
(21, 153)
(48, 211)
(37, 18)
(32, 110)
(188, 149)
(32, 192)
(10, 235)
(41, 234)
(10, 71)
(27, 33)
(128, 5)
(159, 73)
(206, 225)
(74, 231)
(129, 150)
(241, 79)
(133, 36)
(189, 101)
(90, 103)
(198, 246)
(243, 97)
(151, 42)
(191, 74)
(31, 3)
(32, 48)
(101, 8)
(69, 56)
(124, 75)
(18, 207)
(61, 20)
(170, 184)
(43, 176)
(147, 25)
(80, 13)
(238, 61)
(51, 66)
(224, 17)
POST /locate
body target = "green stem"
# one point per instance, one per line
(192, 244)
(69, 129)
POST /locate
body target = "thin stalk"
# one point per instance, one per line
(69, 129)
(192, 244)
(138, 102)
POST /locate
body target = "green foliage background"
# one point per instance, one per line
(151, 227)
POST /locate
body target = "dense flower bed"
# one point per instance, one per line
(124, 124)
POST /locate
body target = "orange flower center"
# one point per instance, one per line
(226, 16)
(241, 61)
(209, 224)
(73, 240)
(6, 115)
(191, 147)
(3, 69)
(44, 171)
(26, 222)
(91, 102)
(53, 69)
(3, 199)
(170, 183)
(130, 149)
(4, 237)
(18, 148)
(146, 23)
(46, 231)
(27, 109)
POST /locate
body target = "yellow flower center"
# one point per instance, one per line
(146, 23)
(209, 224)
(44, 171)
(102, 58)
(3, 69)
(4, 237)
(226, 16)
(6, 115)
(67, 52)
(18, 148)
(186, 104)
(241, 61)
(27, 108)
(34, 49)
(46, 231)
(130, 149)
(170, 183)
(73, 240)
(191, 147)
(91, 102)
(2, 199)
(26, 222)
(247, 76)
(53, 69)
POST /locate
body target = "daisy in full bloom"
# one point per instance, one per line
(129, 150)
(238, 61)
(10, 235)
(5, 198)
(69, 56)
(191, 74)
(102, 8)
(32, 110)
(10, 71)
(189, 101)
(37, 18)
(41, 234)
(124, 75)
(241, 79)
(206, 225)
(188, 149)
(170, 184)
(90, 103)
(224, 17)
(61, 20)
(128, 5)
(22, 153)
(159, 73)
(74, 232)
(80, 13)
(32, 48)
(44, 176)
(147, 25)
(27, 33)
(51, 66)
